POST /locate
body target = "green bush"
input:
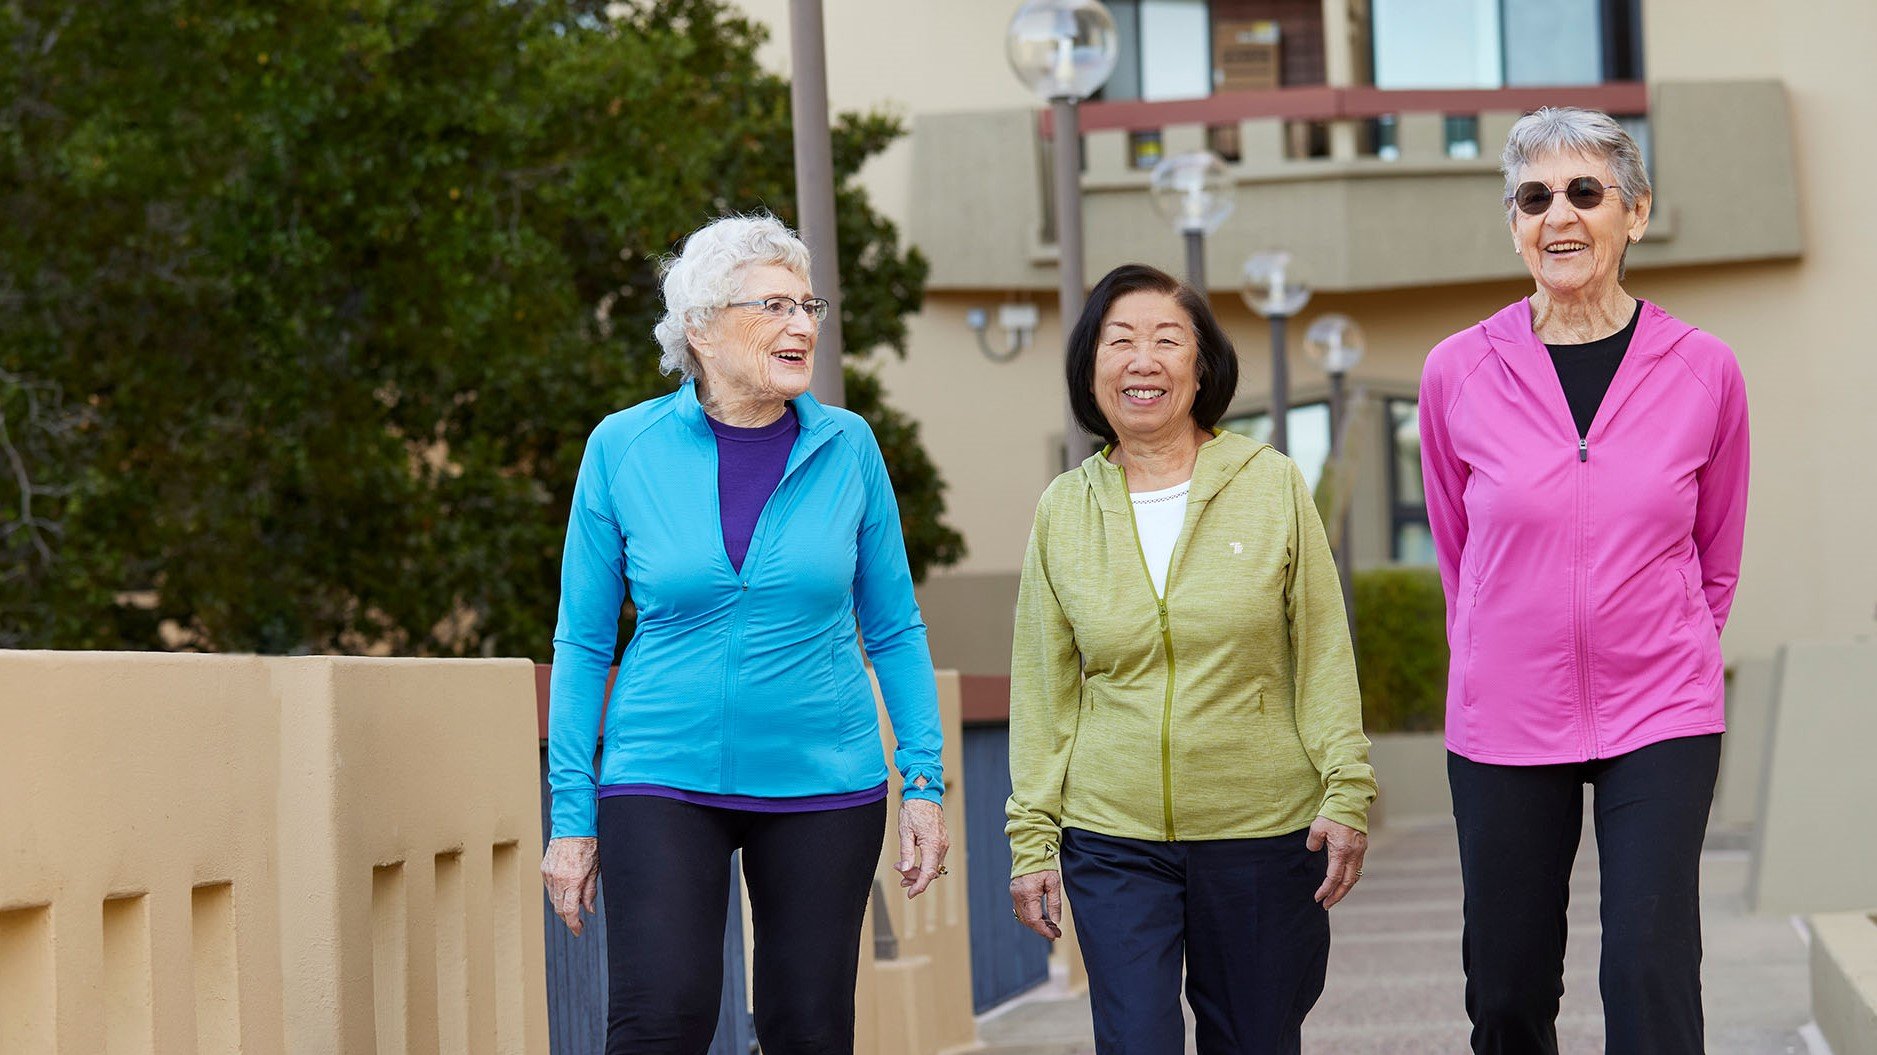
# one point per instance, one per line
(1401, 649)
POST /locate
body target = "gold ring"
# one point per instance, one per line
(944, 871)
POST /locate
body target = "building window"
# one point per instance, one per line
(1409, 539)
(1504, 43)
(1309, 435)
(1189, 49)
(1462, 134)
(1166, 50)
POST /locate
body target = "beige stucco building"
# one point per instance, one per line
(1757, 119)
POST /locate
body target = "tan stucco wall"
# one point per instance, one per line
(919, 1003)
(228, 853)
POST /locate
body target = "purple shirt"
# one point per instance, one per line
(749, 466)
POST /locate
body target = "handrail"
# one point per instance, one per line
(1320, 103)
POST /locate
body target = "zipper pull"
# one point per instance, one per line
(1583, 449)
(1163, 615)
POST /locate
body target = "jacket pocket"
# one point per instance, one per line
(1462, 662)
(1700, 616)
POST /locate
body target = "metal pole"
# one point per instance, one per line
(1345, 495)
(1280, 387)
(814, 189)
(1196, 260)
(1077, 445)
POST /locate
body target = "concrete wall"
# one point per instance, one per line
(1411, 770)
(1750, 691)
(1844, 981)
(225, 853)
(1814, 851)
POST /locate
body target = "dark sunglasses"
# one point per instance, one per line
(1584, 192)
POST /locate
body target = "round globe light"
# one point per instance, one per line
(1334, 343)
(1269, 289)
(1193, 192)
(1062, 49)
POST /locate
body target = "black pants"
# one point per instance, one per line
(1519, 828)
(1241, 914)
(666, 868)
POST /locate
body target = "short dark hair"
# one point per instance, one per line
(1218, 360)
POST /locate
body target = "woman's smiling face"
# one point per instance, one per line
(1574, 252)
(1146, 366)
(749, 355)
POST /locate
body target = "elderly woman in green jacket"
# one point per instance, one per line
(1186, 747)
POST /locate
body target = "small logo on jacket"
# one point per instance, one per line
(1237, 547)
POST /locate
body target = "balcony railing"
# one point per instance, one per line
(1369, 188)
(1319, 103)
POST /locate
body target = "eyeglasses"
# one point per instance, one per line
(782, 307)
(1584, 192)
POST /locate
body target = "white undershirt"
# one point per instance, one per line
(1158, 516)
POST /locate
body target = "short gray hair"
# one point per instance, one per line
(1568, 129)
(704, 275)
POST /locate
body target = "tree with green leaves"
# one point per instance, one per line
(306, 308)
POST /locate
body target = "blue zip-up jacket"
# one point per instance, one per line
(750, 683)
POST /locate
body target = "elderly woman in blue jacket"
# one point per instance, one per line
(756, 532)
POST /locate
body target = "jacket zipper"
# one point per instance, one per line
(1166, 726)
(1166, 640)
(1581, 591)
(744, 576)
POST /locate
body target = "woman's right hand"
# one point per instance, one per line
(1036, 898)
(571, 870)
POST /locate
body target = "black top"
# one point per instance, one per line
(1586, 370)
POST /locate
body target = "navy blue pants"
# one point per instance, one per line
(1519, 827)
(666, 869)
(1238, 914)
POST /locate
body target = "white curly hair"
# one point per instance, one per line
(707, 272)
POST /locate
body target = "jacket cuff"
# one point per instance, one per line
(575, 815)
(934, 790)
(1037, 856)
(1337, 807)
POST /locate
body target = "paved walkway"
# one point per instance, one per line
(1395, 986)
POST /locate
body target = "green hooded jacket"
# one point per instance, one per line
(1226, 710)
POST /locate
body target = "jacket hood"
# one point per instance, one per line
(1220, 459)
(1511, 328)
(1509, 334)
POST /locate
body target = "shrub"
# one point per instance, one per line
(1401, 649)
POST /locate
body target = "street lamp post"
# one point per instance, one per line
(1270, 293)
(814, 188)
(1335, 344)
(1064, 51)
(1193, 192)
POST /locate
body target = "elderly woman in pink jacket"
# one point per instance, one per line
(1585, 456)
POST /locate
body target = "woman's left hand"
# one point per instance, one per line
(1347, 847)
(922, 845)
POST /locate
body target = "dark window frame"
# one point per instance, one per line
(1400, 514)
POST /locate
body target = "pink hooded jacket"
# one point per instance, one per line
(1587, 582)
